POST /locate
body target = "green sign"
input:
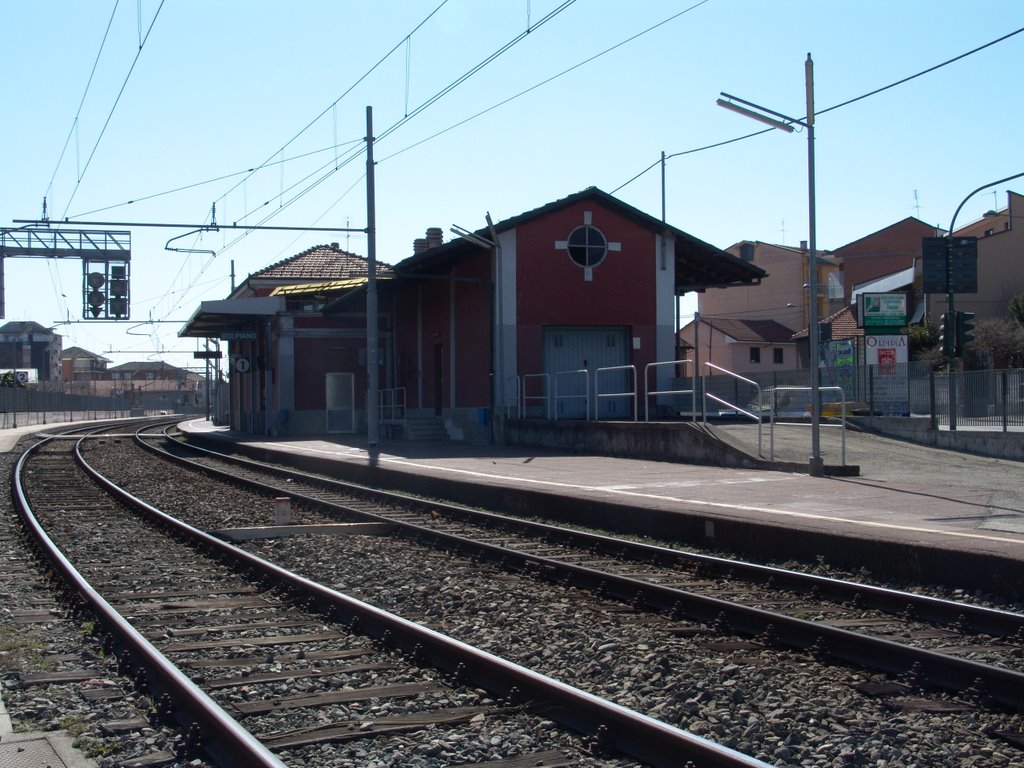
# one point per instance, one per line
(882, 310)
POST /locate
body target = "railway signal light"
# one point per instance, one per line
(105, 289)
(964, 332)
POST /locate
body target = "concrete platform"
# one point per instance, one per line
(37, 749)
(913, 512)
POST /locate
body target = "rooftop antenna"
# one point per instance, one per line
(783, 231)
(917, 206)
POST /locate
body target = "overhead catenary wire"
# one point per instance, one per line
(402, 121)
(345, 93)
(113, 107)
(547, 80)
(834, 107)
(81, 103)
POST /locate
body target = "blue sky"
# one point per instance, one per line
(222, 87)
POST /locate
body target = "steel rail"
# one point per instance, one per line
(615, 727)
(222, 736)
(940, 670)
(924, 607)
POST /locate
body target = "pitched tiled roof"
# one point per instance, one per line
(844, 325)
(321, 262)
(24, 326)
(146, 366)
(78, 352)
(698, 264)
(757, 331)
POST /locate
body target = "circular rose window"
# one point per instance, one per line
(587, 246)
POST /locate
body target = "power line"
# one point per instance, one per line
(544, 82)
(113, 107)
(828, 109)
(476, 68)
(347, 91)
(194, 185)
(78, 112)
(399, 123)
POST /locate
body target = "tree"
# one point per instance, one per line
(1017, 308)
(999, 343)
(922, 343)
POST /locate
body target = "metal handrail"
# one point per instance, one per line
(392, 404)
(598, 394)
(585, 397)
(727, 404)
(841, 424)
(648, 393)
(546, 378)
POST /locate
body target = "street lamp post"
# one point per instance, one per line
(786, 123)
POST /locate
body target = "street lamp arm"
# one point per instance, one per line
(752, 105)
(755, 115)
(979, 189)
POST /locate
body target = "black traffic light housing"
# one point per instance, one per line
(947, 333)
(105, 289)
(964, 332)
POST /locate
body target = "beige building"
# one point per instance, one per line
(1000, 263)
(750, 328)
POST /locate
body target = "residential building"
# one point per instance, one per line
(156, 385)
(28, 345)
(78, 364)
(739, 345)
(1000, 260)
(781, 297)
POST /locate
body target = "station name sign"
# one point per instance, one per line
(237, 335)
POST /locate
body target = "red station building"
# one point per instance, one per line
(511, 321)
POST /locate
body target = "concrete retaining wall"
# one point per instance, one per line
(687, 442)
(996, 445)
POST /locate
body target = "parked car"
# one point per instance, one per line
(782, 402)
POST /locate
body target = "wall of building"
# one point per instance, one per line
(621, 292)
(780, 295)
(1000, 262)
(881, 253)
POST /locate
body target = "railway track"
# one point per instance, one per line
(968, 710)
(951, 645)
(260, 664)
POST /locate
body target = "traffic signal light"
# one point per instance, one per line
(964, 332)
(947, 333)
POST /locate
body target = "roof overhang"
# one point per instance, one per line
(324, 287)
(885, 284)
(215, 317)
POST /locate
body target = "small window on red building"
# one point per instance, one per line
(777, 356)
(755, 354)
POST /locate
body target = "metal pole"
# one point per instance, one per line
(207, 379)
(498, 416)
(695, 373)
(373, 385)
(816, 465)
(663, 186)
